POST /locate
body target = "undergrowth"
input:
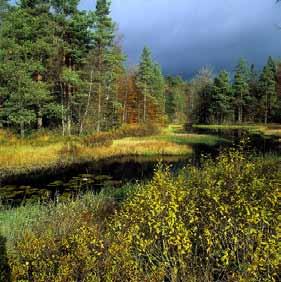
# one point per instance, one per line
(217, 223)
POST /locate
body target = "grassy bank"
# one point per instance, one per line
(216, 223)
(267, 130)
(47, 150)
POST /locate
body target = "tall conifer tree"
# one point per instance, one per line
(241, 89)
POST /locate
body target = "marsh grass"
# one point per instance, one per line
(13, 221)
(267, 130)
(49, 150)
(193, 139)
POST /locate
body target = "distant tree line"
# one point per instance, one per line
(64, 68)
(251, 96)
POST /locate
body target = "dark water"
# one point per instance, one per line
(116, 172)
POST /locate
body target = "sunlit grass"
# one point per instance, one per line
(49, 150)
(268, 130)
(150, 147)
(24, 155)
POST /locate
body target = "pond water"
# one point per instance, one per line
(116, 172)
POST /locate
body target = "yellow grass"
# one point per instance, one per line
(270, 131)
(151, 147)
(23, 156)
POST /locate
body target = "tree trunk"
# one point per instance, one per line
(144, 105)
(266, 109)
(69, 115)
(88, 104)
(99, 109)
(125, 110)
(99, 90)
(39, 122)
(240, 114)
(22, 132)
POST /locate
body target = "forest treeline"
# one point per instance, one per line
(250, 96)
(63, 68)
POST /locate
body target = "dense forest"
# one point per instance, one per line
(250, 96)
(63, 68)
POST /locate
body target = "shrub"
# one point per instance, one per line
(217, 224)
(64, 245)
(99, 139)
(106, 138)
(137, 130)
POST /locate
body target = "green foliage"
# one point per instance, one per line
(150, 82)
(221, 99)
(267, 87)
(104, 26)
(241, 88)
(175, 99)
(25, 47)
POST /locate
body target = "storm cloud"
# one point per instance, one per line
(185, 35)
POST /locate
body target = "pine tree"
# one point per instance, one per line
(268, 91)
(158, 91)
(277, 109)
(176, 99)
(4, 8)
(73, 38)
(200, 97)
(102, 60)
(221, 97)
(24, 49)
(144, 78)
(241, 89)
(112, 105)
(251, 111)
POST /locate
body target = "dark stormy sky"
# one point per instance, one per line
(185, 35)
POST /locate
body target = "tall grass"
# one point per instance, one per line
(48, 150)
